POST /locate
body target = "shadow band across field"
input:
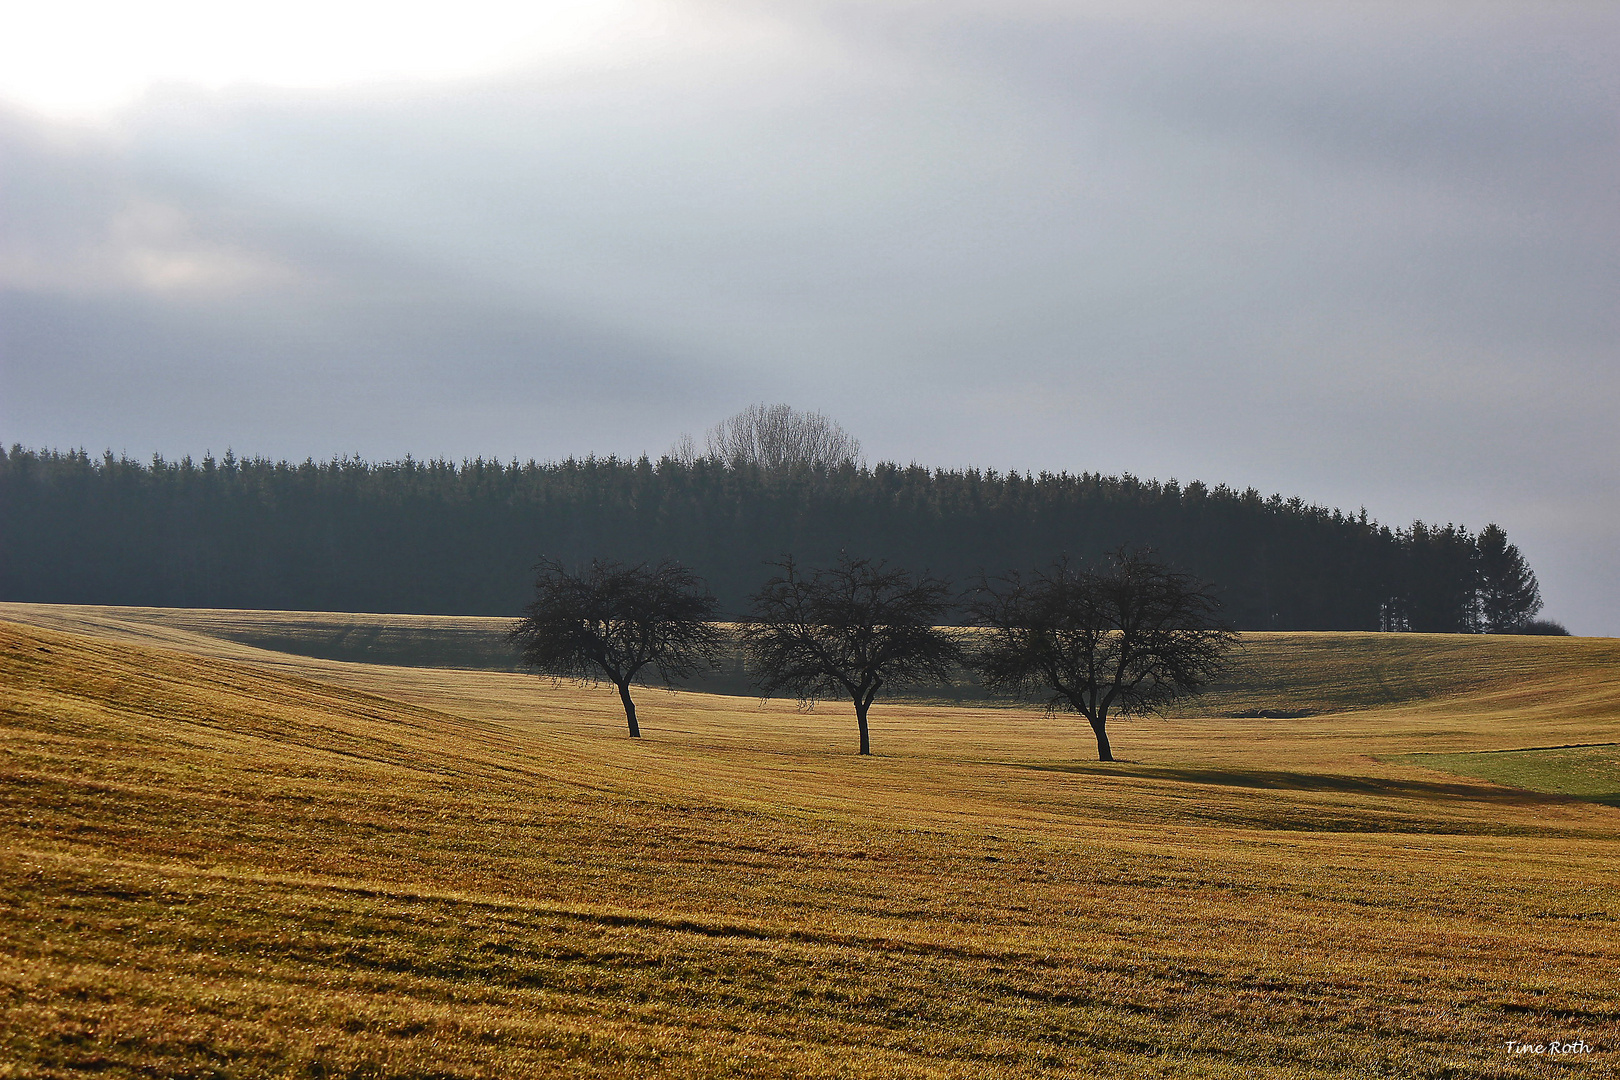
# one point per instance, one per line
(1272, 779)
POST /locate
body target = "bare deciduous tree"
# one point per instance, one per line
(684, 449)
(614, 621)
(853, 628)
(775, 437)
(1130, 639)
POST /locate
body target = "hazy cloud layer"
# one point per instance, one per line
(1361, 253)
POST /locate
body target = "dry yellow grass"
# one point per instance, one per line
(226, 862)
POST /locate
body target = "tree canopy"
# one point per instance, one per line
(1127, 639)
(614, 621)
(1509, 596)
(775, 437)
(459, 538)
(853, 629)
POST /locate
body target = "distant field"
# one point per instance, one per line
(223, 860)
(446, 641)
(1280, 674)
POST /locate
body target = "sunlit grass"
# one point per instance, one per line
(1587, 772)
(249, 864)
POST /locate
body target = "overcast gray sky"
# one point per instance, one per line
(1364, 253)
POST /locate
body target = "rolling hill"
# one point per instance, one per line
(227, 860)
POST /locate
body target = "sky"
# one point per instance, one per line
(1364, 253)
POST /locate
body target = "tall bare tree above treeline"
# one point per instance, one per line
(772, 438)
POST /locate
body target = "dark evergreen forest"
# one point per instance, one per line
(440, 537)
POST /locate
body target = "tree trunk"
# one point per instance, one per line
(629, 709)
(860, 718)
(1100, 727)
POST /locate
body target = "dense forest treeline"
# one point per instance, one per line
(440, 537)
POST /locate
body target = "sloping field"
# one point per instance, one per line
(443, 641)
(262, 864)
(1279, 675)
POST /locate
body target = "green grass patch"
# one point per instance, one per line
(1586, 772)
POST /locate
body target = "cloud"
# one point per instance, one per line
(144, 310)
(1361, 252)
(143, 246)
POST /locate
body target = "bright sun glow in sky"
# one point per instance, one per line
(88, 57)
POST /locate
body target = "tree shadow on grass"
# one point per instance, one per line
(1279, 780)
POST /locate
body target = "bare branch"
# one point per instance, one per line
(1129, 639)
(612, 621)
(854, 628)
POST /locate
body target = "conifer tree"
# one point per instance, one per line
(1509, 596)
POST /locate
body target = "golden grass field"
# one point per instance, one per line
(226, 861)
